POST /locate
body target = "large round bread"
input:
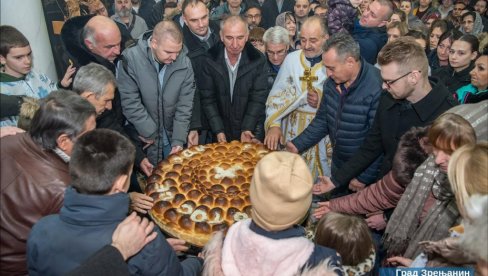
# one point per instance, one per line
(203, 189)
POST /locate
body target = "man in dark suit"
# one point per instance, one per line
(272, 8)
(199, 35)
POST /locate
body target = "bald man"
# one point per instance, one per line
(97, 39)
(294, 98)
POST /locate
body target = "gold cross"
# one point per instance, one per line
(307, 76)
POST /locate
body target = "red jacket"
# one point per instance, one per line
(32, 185)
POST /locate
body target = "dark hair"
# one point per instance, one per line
(441, 24)
(402, 14)
(471, 40)
(452, 34)
(348, 235)
(410, 154)
(470, 13)
(344, 45)
(11, 38)
(99, 157)
(253, 6)
(61, 112)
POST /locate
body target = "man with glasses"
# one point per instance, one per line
(295, 96)
(253, 16)
(276, 43)
(370, 30)
(411, 101)
(347, 109)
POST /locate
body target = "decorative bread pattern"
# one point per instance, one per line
(203, 189)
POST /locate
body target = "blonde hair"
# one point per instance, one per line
(348, 235)
(450, 131)
(467, 172)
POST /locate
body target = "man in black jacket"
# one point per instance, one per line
(97, 39)
(272, 8)
(199, 35)
(233, 85)
(411, 101)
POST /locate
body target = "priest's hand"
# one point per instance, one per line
(322, 210)
(326, 184)
(247, 136)
(132, 234)
(313, 98)
(291, 147)
(273, 137)
(146, 167)
(221, 138)
(177, 245)
(192, 138)
(175, 149)
(140, 202)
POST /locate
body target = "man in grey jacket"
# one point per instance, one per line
(156, 84)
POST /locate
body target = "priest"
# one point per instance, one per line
(294, 98)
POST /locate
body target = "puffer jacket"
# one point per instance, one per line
(346, 117)
(341, 16)
(150, 107)
(32, 184)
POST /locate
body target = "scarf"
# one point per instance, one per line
(404, 230)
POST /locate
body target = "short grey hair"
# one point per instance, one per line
(344, 44)
(94, 78)
(233, 19)
(276, 35)
(88, 33)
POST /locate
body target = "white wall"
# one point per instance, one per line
(28, 17)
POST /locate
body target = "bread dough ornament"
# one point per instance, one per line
(203, 189)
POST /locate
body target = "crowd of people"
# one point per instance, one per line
(375, 112)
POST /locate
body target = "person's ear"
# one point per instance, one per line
(120, 184)
(87, 94)
(89, 44)
(64, 142)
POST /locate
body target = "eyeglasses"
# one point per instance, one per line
(390, 82)
(253, 16)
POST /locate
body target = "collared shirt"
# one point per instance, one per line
(232, 71)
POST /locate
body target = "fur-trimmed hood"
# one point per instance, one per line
(71, 34)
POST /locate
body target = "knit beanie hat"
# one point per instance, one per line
(281, 191)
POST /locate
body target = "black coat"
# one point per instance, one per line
(270, 11)
(247, 109)
(80, 55)
(146, 9)
(393, 118)
(451, 79)
(196, 50)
